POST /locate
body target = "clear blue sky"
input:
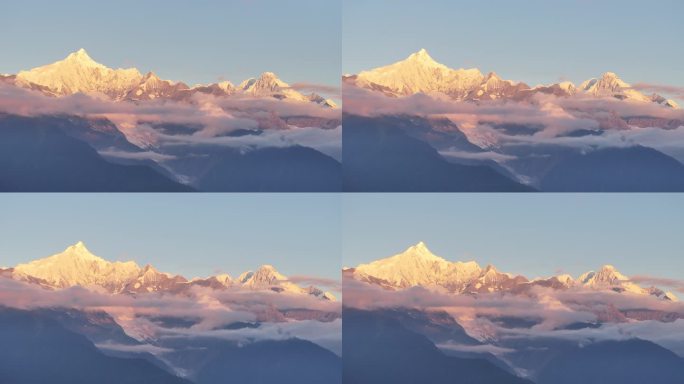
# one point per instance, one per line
(538, 41)
(195, 41)
(189, 234)
(532, 234)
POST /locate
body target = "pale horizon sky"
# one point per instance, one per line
(531, 234)
(198, 41)
(533, 41)
(195, 235)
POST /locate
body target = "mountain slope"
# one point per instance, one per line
(625, 362)
(37, 157)
(377, 157)
(377, 349)
(289, 169)
(39, 350)
(633, 169)
(290, 361)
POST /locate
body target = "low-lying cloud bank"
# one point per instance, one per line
(210, 310)
(552, 119)
(217, 116)
(552, 313)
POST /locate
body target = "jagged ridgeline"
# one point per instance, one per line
(420, 73)
(79, 73)
(76, 266)
(417, 266)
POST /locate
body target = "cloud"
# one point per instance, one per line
(327, 141)
(669, 335)
(138, 348)
(482, 348)
(216, 115)
(489, 155)
(554, 309)
(317, 88)
(326, 334)
(555, 117)
(316, 281)
(673, 90)
(143, 155)
(676, 284)
(544, 112)
(213, 308)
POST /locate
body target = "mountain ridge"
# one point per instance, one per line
(77, 266)
(418, 266)
(420, 73)
(79, 73)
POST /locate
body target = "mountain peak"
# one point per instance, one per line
(492, 75)
(423, 58)
(265, 275)
(79, 73)
(266, 268)
(76, 265)
(150, 76)
(268, 75)
(81, 57)
(81, 53)
(420, 251)
(79, 250)
(420, 54)
(421, 244)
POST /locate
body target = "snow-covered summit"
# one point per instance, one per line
(609, 277)
(78, 266)
(418, 266)
(420, 73)
(611, 85)
(79, 73)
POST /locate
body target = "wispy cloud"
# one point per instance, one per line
(212, 308)
(216, 115)
(556, 117)
(675, 91)
(317, 88)
(143, 155)
(316, 281)
(676, 284)
(553, 309)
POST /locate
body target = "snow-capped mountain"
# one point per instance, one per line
(610, 85)
(79, 73)
(152, 87)
(418, 266)
(77, 266)
(420, 73)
